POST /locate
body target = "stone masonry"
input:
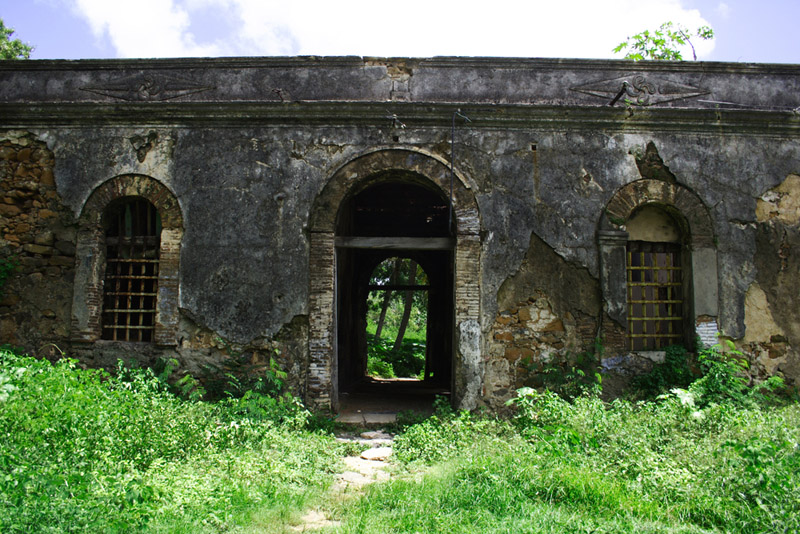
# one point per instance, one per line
(252, 164)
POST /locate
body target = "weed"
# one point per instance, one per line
(7, 267)
(673, 372)
(82, 450)
(574, 375)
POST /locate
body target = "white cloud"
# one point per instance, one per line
(569, 28)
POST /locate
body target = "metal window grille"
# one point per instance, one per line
(133, 230)
(655, 295)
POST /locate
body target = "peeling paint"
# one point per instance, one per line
(781, 202)
(759, 324)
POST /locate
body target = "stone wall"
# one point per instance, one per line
(772, 316)
(38, 233)
(546, 173)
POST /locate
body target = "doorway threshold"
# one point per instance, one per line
(377, 401)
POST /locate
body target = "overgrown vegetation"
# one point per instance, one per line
(716, 457)
(385, 361)
(81, 450)
(675, 371)
(397, 320)
(574, 374)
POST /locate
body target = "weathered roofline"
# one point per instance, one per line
(389, 115)
(436, 61)
(576, 83)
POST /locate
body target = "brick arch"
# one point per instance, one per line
(87, 303)
(354, 174)
(693, 214)
(348, 179)
(656, 192)
(132, 185)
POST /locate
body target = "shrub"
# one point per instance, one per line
(673, 372)
(383, 361)
(574, 375)
(81, 450)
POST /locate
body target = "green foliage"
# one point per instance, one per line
(673, 372)
(663, 43)
(385, 362)
(239, 374)
(725, 379)
(7, 267)
(587, 466)
(82, 450)
(445, 435)
(723, 375)
(396, 348)
(12, 48)
(574, 375)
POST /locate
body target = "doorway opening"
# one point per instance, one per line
(397, 316)
(394, 287)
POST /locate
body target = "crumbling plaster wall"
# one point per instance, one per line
(571, 179)
(772, 317)
(541, 169)
(37, 234)
(246, 194)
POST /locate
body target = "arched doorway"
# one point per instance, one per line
(402, 216)
(385, 203)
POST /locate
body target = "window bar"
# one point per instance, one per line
(654, 295)
(131, 272)
(630, 297)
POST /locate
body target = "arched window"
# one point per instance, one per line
(658, 267)
(130, 287)
(128, 263)
(655, 290)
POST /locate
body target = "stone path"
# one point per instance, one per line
(368, 467)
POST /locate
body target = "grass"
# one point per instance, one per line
(81, 450)
(587, 466)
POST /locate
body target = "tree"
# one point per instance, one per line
(12, 48)
(387, 294)
(409, 301)
(663, 43)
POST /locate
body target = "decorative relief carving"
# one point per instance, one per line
(142, 145)
(639, 90)
(147, 88)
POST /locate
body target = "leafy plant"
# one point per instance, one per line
(12, 48)
(574, 375)
(723, 375)
(241, 372)
(663, 43)
(386, 361)
(7, 266)
(674, 372)
(185, 387)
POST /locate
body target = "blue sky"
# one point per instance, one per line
(746, 30)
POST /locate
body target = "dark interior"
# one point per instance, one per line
(393, 206)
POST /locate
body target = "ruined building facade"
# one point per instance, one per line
(200, 208)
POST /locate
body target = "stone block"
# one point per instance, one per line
(503, 336)
(38, 249)
(9, 210)
(554, 326)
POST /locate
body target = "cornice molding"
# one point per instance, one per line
(410, 114)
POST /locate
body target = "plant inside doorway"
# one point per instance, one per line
(397, 316)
